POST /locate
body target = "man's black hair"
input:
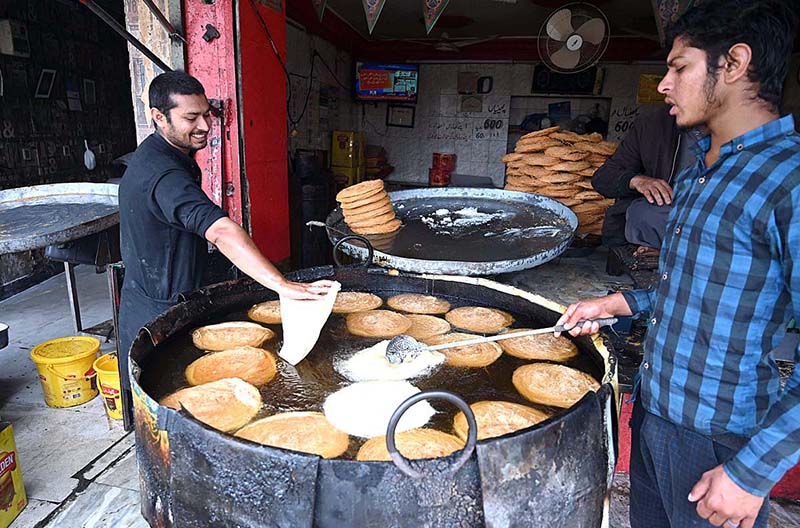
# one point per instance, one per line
(164, 86)
(767, 26)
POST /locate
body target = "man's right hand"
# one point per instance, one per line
(654, 190)
(597, 308)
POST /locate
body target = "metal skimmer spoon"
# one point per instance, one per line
(405, 348)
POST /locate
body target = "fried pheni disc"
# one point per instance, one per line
(366, 188)
(542, 346)
(479, 355)
(307, 432)
(268, 312)
(497, 418)
(226, 404)
(552, 384)
(253, 365)
(224, 336)
(418, 303)
(352, 302)
(413, 444)
(426, 326)
(479, 319)
(377, 323)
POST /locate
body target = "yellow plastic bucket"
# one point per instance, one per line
(107, 367)
(66, 371)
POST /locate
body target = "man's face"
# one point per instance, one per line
(690, 90)
(187, 125)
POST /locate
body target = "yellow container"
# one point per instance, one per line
(107, 367)
(12, 490)
(347, 148)
(66, 370)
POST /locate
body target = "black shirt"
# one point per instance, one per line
(163, 215)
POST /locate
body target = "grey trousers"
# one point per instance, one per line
(645, 223)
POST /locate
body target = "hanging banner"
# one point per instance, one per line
(319, 7)
(433, 10)
(372, 8)
(667, 12)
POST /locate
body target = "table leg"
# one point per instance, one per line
(72, 292)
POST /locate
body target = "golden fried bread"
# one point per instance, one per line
(307, 432)
(479, 319)
(497, 418)
(224, 336)
(351, 302)
(551, 384)
(413, 444)
(226, 404)
(253, 365)
(473, 356)
(542, 346)
(377, 323)
(418, 303)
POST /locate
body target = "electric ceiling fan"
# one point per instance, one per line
(573, 38)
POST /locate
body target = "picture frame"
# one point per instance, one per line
(45, 84)
(89, 94)
(400, 116)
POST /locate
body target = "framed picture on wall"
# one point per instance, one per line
(400, 116)
(45, 84)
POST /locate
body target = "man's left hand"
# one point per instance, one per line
(722, 502)
(304, 291)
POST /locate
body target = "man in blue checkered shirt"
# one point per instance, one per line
(712, 429)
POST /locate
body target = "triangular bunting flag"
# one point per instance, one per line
(372, 8)
(433, 10)
(319, 7)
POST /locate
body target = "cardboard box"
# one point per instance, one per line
(347, 148)
(12, 492)
(346, 176)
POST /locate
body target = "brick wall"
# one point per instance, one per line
(43, 126)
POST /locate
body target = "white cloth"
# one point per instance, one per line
(302, 322)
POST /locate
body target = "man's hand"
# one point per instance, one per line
(597, 308)
(721, 501)
(304, 291)
(654, 190)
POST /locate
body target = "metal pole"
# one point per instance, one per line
(116, 26)
(173, 34)
(72, 292)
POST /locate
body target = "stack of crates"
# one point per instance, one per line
(347, 157)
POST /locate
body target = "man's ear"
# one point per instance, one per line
(737, 63)
(159, 119)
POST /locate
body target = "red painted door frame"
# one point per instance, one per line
(245, 165)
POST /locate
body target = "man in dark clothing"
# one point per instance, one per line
(639, 176)
(167, 221)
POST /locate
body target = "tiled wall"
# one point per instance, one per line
(440, 126)
(477, 138)
(330, 105)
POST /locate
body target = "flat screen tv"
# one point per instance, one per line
(387, 82)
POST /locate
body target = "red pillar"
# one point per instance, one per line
(245, 164)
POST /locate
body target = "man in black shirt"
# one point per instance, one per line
(166, 220)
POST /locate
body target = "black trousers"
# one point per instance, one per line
(667, 460)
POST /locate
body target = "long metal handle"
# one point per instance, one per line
(512, 335)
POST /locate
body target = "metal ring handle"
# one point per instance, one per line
(472, 435)
(370, 251)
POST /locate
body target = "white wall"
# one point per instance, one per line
(335, 110)
(440, 126)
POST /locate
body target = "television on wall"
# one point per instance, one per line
(387, 82)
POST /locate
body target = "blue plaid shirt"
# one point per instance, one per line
(729, 284)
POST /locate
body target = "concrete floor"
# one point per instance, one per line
(79, 467)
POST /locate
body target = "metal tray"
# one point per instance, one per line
(466, 231)
(38, 216)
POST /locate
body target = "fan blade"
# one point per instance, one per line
(559, 25)
(593, 31)
(475, 41)
(565, 59)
